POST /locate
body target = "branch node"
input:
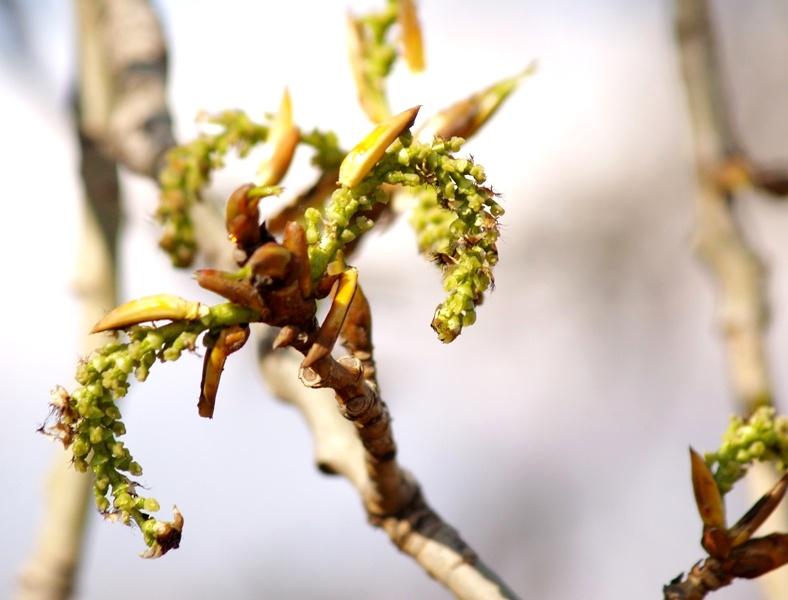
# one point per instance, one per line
(356, 407)
(353, 365)
(310, 378)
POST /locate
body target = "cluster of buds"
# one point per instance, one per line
(466, 245)
(88, 422)
(732, 551)
(762, 437)
(280, 282)
(456, 219)
(188, 168)
(273, 286)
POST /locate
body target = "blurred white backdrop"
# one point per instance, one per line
(553, 433)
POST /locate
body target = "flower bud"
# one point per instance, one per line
(365, 155)
(151, 308)
(410, 35)
(283, 139)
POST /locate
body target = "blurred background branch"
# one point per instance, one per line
(123, 82)
(120, 117)
(723, 170)
(51, 571)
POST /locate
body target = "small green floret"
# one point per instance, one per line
(763, 437)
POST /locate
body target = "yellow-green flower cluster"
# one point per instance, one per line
(342, 221)
(762, 437)
(88, 420)
(188, 170)
(456, 221)
(372, 58)
(432, 224)
(381, 53)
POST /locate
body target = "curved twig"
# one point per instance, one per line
(391, 496)
(738, 272)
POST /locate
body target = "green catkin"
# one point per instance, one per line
(763, 437)
(456, 222)
(186, 173)
(188, 168)
(88, 420)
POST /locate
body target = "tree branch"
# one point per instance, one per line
(716, 136)
(122, 90)
(337, 450)
(391, 496)
(737, 271)
(720, 243)
(123, 77)
(748, 561)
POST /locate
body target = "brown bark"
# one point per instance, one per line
(391, 496)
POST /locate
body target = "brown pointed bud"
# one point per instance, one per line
(715, 538)
(410, 32)
(270, 260)
(294, 240)
(151, 308)
(759, 556)
(370, 92)
(168, 536)
(760, 511)
(231, 339)
(233, 288)
(466, 117)
(286, 336)
(356, 333)
(707, 494)
(332, 325)
(357, 329)
(242, 217)
(282, 138)
(365, 155)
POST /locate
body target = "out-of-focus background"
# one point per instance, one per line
(553, 433)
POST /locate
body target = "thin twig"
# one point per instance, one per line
(391, 496)
(720, 242)
(747, 561)
(737, 271)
